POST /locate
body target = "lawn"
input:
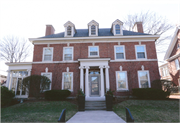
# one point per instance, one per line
(149, 110)
(45, 111)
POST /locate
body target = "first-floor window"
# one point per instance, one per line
(144, 81)
(48, 75)
(121, 80)
(67, 81)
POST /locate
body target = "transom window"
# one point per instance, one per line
(48, 75)
(140, 52)
(119, 52)
(93, 30)
(143, 77)
(47, 53)
(121, 80)
(177, 64)
(69, 30)
(68, 53)
(117, 27)
(67, 81)
(93, 51)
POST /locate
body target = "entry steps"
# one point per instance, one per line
(95, 105)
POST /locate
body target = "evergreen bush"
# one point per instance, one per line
(6, 96)
(57, 94)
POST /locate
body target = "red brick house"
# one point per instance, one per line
(93, 59)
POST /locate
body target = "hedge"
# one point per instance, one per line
(6, 96)
(57, 94)
(150, 93)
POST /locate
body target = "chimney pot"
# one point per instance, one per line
(138, 27)
(49, 30)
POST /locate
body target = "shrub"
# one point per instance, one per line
(162, 84)
(6, 96)
(57, 94)
(150, 93)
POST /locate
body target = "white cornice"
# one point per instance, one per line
(18, 63)
(100, 59)
(173, 57)
(133, 60)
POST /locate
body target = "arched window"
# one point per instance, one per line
(93, 30)
(117, 27)
(69, 30)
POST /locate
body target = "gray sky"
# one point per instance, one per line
(28, 18)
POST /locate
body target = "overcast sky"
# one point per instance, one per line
(28, 18)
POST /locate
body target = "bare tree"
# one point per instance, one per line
(14, 49)
(152, 24)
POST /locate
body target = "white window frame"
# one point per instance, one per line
(127, 88)
(93, 55)
(42, 74)
(96, 27)
(71, 81)
(144, 51)
(123, 52)
(177, 64)
(119, 29)
(148, 77)
(64, 53)
(69, 30)
(44, 53)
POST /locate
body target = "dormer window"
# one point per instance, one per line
(69, 31)
(93, 30)
(117, 29)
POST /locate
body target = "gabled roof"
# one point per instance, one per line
(172, 44)
(101, 32)
(93, 22)
(117, 22)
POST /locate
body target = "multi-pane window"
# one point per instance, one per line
(93, 30)
(164, 71)
(47, 54)
(69, 30)
(177, 64)
(67, 81)
(140, 52)
(93, 51)
(119, 52)
(143, 77)
(121, 80)
(48, 75)
(68, 53)
(117, 27)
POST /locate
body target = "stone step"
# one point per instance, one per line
(95, 105)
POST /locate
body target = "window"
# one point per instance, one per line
(140, 51)
(143, 77)
(117, 27)
(177, 64)
(178, 46)
(93, 51)
(121, 80)
(165, 71)
(49, 75)
(119, 52)
(93, 30)
(69, 30)
(67, 81)
(68, 53)
(47, 53)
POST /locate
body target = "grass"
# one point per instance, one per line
(149, 110)
(47, 111)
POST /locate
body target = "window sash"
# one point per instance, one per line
(140, 52)
(48, 75)
(119, 50)
(68, 53)
(143, 79)
(48, 52)
(93, 51)
(93, 30)
(121, 79)
(67, 80)
(68, 30)
(119, 55)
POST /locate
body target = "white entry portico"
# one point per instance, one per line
(98, 79)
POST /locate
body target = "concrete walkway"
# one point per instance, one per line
(96, 117)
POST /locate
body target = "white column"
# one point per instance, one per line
(107, 78)
(87, 81)
(29, 72)
(81, 78)
(102, 81)
(8, 78)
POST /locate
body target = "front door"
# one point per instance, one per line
(94, 80)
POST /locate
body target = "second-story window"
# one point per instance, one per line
(117, 27)
(93, 30)
(140, 51)
(69, 30)
(119, 52)
(47, 53)
(93, 51)
(68, 53)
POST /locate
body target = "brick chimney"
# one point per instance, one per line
(138, 27)
(49, 30)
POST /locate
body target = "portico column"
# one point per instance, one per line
(29, 72)
(87, 83)
(8, 79)
(107, 78)
(81, 78)
(102, 81)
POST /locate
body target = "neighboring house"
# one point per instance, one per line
(172, 56)
(93, 59)
(3, 79)
(164, 72)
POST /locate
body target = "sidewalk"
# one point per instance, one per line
(96, 117)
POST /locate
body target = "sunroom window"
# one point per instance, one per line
(93, 30)
(117, 29)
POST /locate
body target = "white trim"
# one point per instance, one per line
(118, 89)
(42, 74)
(133, 60)
(93, 55)
(51, 54)
(72, 53)
(173, 57)
(144, 52)
(71, 81)
(55, 62)
(148, 77)
(123, 52)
